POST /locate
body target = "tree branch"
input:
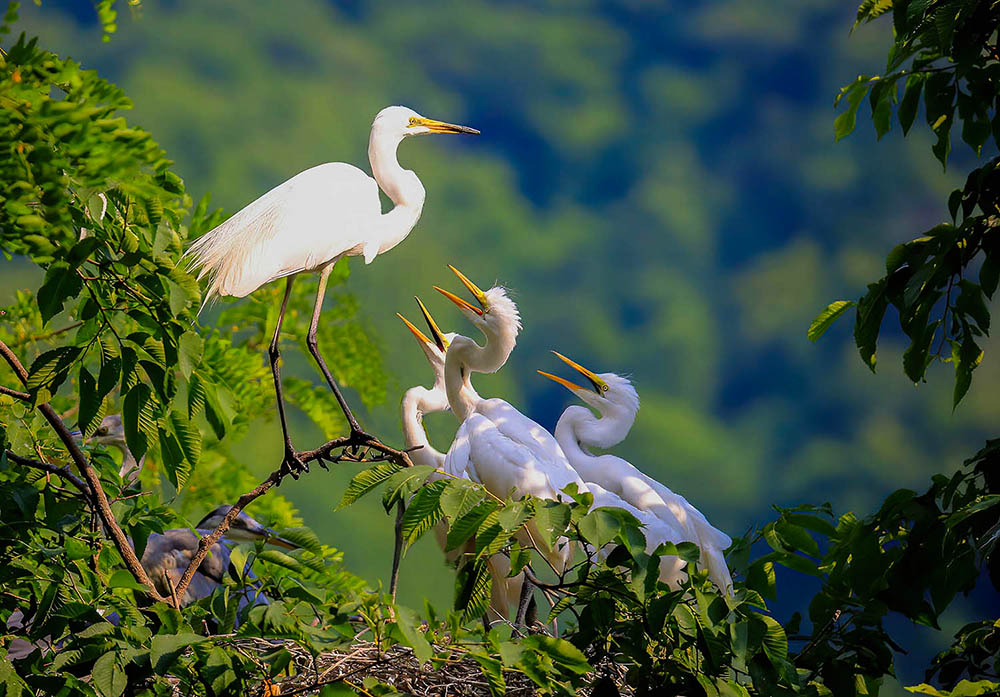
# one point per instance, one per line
(82, 464)
(23, 396)
(321, 454)
(63, 471)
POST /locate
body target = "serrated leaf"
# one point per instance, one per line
(50, 369)
(165, 649)
(845, 122)
(409, 626)
(90, 399)
(551, 520)
(599, 527)
(827, 317)
(459, 497)
(467, 525)
(61, 283)
(423, 512)
(401, 484)
(188, 436)
(108, 676)
(136, 412)
(366, 480)
(189, 351)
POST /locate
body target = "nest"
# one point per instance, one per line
(397, 667)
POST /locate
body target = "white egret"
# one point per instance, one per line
(497, 445)
(309, 222)
(418, 401)
(168, 554)
(614, 398)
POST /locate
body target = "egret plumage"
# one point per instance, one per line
(111, 432)
(496, 445)
(168, 554)
(578, 429)
(308, 223)
(418, 401)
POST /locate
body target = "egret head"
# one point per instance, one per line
(434, 348)
(399, 121)
(243, 528)
(604, 391)
(110, 432)
(493, 313)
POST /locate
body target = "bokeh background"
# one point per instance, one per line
(658, 184)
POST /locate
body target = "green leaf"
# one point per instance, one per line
(466, 526)
(400, 484)
(844, 124)
(61, 283)
(108, 676)
(409, 625)
(826, 318)
(775, 640)
(189, 439)
(76, 549)
(910, 102)
(137, 419)
(121, 578)
(459, 497)
(190, 347)
(514, 515)
(366, 480)
(562, 653)
(50, 369)
(551, 519)
(492, 670)
(599, 527)
(966, 356)
(90, 399)
(423, 512)
(871, 310)
(989, 276)
(165, 649)
(337, 689)
(882, 96)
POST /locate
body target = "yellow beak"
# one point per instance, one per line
(458, 301)
(440, 126)
(416, 332)
(600, 387)
(477, 293)
(562, 381)
(439, 339)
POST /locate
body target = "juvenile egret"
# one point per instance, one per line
(497, 445)
(617, 402)
(418, 401)
(167, 555)
(311, 221)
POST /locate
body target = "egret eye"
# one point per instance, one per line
(413, 120)
(101, 431)
(604, 388)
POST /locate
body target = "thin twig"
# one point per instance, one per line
(23, 396)
(63, 471)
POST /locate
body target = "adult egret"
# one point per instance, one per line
(309, 222)
(497, 445)
(418, 401)
(168, 554)
(614, 398)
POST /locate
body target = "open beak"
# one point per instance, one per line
(599, 386)
(416, 332)
(439, 338)
(572, 387)
(442, 127)
(477, 293)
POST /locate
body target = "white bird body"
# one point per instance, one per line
(496, 445)
(418, 401)
(309, 222)
(617, 402)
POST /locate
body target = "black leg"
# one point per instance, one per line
(314, 350)
(291, 463)
(522, 604)
(397, 550)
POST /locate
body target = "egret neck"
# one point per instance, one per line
(465, 357)
(416, 402)
(402, 186)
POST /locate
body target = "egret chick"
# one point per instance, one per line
(617, 402)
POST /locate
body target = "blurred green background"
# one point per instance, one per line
(657, 183)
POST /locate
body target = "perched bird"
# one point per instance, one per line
(496, 445)
(617, 402)
(309, 222)
(418, 401)
(168, 554)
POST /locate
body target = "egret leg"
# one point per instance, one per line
(522, 605)
(291, 463)
(314, 350)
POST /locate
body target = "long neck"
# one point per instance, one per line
(400, 185)
(465, 357)
(416, 402)
(567, 433)
(610, 429)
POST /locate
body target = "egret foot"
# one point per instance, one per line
(292, 464)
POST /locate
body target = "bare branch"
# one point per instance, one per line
(94, 482)
(23, 396)
(321, 454)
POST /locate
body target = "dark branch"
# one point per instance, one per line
(94, 482)
(63, 471)
(23, 396)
